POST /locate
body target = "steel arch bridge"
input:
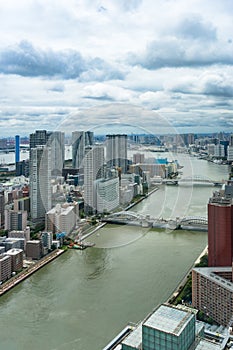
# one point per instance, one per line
(126, 215)
(197, 179)
(200, 220)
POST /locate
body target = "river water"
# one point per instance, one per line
(83, 299)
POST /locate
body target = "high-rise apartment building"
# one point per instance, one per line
(212, 293)
(80, 140)
(116, 151)
(220, 228)
(93, 170)
(62, 218)
(40, 181)
(56, 141)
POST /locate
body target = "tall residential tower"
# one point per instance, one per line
(93, 170)
(80, 140)
(116, 151)
(40, 181)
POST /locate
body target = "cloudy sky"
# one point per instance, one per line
(153, 65)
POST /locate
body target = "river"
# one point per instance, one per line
(83, 299)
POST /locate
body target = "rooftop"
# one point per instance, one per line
(211, 274)
(134, 339)
(168, 319)
(206, 345)
(14, 251)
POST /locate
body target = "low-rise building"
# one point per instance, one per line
(34, 249)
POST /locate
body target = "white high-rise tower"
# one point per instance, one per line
(40, 181)
(80, 140)
(93, 170)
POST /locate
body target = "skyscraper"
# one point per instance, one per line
(220, 228)
(93, 170)
(17, 149)
(55, 140)
(38, 138)
(230, 150)
(116, 151)
(57, 143)
(80, 140)
(2, 208)
(40, 181)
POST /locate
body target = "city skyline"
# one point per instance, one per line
(164, 68)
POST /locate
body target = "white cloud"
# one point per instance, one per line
(90, 58)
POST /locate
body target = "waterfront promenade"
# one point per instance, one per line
(5, 287)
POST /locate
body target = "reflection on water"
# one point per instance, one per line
(115, 236)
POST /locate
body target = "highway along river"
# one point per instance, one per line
(83, 299)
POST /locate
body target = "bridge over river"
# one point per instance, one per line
(196, 180)
(197, 223)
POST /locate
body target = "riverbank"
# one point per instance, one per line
(6, 286)
(178, 290)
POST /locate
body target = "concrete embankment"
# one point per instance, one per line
(29, 271)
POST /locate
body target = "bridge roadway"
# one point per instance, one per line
(130, 218)
(195, 180)
(191, 182)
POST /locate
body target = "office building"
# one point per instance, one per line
(93, 170)
(40, 182)
(16, 256)
(15, 220)
(5, 267)
(212, 293)
(17, 149)
(22, 168)
(80, 140)
(107, 194)
(116, 152)
(220, 228)
(34, 249)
